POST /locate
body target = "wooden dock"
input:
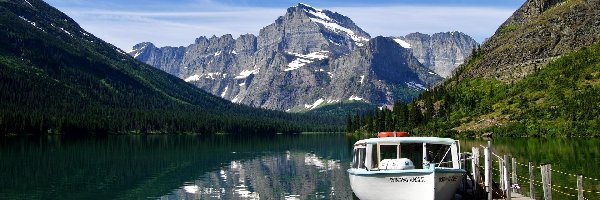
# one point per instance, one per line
(518, 196)
(504, 169)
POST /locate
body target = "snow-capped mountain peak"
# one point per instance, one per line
(336, 23)
(138, 49)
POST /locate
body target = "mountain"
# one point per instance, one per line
(440, 52)
(307, 58)
(57, 78)
(536, 34)
(538, 75)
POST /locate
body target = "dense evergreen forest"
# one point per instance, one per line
(56, 78)
(561, 99)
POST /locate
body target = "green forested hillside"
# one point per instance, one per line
(537, 75)
(560, 99)
(57, 78)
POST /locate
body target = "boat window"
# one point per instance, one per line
(439, 154)
(374, 160)
(414, 152)
(358, 158)
(388, 151)
(355, 158)
(362, 152)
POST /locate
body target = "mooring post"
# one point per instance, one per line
(506, 175)
(547, 181)
(580, 187)
(515, 180)
(488, 170)
(531, 178)
(475, 167)
(501, 173)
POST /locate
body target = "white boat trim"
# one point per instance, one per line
(363, 172)
(429, 140)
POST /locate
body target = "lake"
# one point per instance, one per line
(307, 166)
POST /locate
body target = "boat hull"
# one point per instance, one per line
(406, 184)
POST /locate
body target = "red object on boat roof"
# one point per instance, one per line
(392, 134)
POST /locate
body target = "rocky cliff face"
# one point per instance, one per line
(537, 33)
(306, 58)
(440, 52)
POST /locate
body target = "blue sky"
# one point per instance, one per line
(125, 23)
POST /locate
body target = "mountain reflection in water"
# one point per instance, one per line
(283, 175)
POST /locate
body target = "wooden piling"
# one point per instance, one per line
(547, 181)
(501, 173)
(580, 187)
(515, 180)
(488, 170)
(507, 184)
(475, 168)
(531, 178)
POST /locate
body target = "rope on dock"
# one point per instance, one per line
(539, 183)
(571, 195)
(521, 178)
(560, 172)
(497, 156)
(568, 174)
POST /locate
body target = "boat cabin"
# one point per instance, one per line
(405, 153)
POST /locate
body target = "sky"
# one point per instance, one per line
(125, 23)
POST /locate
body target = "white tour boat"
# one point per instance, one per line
(390, 167)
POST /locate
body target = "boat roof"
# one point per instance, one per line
(429, 140)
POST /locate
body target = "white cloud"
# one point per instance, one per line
(166, 27)
(125, 28)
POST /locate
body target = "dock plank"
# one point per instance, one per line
(518, 196)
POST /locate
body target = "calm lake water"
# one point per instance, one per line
(309, 166)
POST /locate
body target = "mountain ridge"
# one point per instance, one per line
(287, 66)
(536, 34)
(442, 52)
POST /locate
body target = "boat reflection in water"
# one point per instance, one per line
(285, 175)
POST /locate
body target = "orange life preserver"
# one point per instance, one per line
(392, 134)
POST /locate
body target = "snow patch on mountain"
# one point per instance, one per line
(320, 17)
(414, 85)
(315, 104)
(297, 63)
(338, 28)
(212, 76)
(402, 43)
(302, 60)
(32, 23)
(194, 77)
(29, 3)
(246, 73)
(355, 98)
(333, 101)
(236, 99)
(138, 51)
(224, 92)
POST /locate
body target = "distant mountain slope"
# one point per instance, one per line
(537, 33)
(539, 75)
(298, 63)
(440, 52)
(57, 78)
